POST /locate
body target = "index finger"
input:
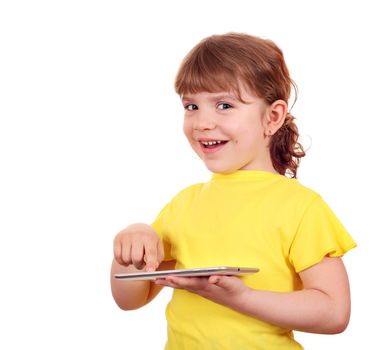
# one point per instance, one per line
(151, 256)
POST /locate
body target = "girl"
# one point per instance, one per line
(235, 90)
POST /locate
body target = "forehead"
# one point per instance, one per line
(243, 96)
(206, 95)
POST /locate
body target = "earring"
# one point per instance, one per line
(270, 132)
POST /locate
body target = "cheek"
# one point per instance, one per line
(241, 134)
(188, 132)
(248, 138)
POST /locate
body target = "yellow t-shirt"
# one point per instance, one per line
(252, 219)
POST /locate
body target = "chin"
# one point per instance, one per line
(220, 169)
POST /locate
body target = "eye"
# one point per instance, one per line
(223, 106)
(190, 107)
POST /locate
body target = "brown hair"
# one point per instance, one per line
(225, 62)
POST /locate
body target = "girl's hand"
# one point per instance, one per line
(138, 245)
(225, 290)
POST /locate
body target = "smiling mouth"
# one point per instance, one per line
(212, 144)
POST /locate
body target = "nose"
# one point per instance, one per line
(204, 121)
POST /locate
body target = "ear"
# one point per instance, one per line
(275, 117)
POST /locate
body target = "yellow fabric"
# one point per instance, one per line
(252, 219)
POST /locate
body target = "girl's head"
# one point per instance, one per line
(236, 63)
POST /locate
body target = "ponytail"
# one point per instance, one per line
(285, 149)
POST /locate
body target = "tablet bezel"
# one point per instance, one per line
(194, 272)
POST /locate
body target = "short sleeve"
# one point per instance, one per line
(160, 225)
(319, 234)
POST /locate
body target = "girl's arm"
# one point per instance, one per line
(130, 295)
(135, 247)
(323, 306)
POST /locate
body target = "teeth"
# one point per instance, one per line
(210, 143)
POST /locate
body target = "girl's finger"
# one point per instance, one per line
(151, 256)
(117, 252)
(126, 253)
(137, 254)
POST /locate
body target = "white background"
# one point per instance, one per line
(91, 140)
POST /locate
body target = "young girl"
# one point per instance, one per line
(235, 90)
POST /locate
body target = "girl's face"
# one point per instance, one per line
(227, 134)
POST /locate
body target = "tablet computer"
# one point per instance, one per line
(196, 272)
